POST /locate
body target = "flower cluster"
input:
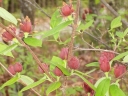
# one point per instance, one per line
(17, 67)
(104, 60)
(73, 63)
(7, 36)
(119, 69)
(25, 26)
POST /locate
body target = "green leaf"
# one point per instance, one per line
(9, 49)
(86, 81)
(33, 85)
(125, 32)
(97, 1)
(119, 56)
(85, 26)
(103, 87)
(33, 42)
(114, 90)
(6, 50)
(93, 64)
(120, 34)
(7, 16)
(27, 80)
(53, 87)
(10, 82)
(55, 19)
(97, 83)
(56, 61)
(125, 59)
(64, 70)
(55, 30)
(116, 22)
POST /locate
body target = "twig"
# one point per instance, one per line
(20, 81)
(76, 49)
(38, 7)
(96, 39)
(74, 27)
(114, 12)
(29, 49)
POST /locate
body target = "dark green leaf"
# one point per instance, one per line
(114, 90)
(10, 82)
(116, 22)
(52, 87)
(33, 42)
(93, 64)
(103, 87)
(7, 16)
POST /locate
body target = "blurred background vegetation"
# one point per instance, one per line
(34, 9)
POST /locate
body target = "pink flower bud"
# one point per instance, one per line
(18, 67)
(7, 36)
(44, 66)
(109, 55)
(119, 70)
(0, 1)
(64, 53)
(74, 63)
(26, 25)
(104, 64)
(11, 69)
(58, 72)
(66, 10)
(87, 88)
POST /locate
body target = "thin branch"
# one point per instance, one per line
(20, 81)
(74, 27)
(29, 49)
(96, 39)
(86, 49)
(114, 12)
(38, 7)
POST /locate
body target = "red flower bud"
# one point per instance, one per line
(109, 55)
(66, 10)
(58, 72)
(119, 70)
(83, 16)
(74, 63)
(104, 64)
(11, 69)
(7, 36)
(44, 66)
(87, 88)
(0, 1)
(26, 25)
(64, 53)
(18, 67)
